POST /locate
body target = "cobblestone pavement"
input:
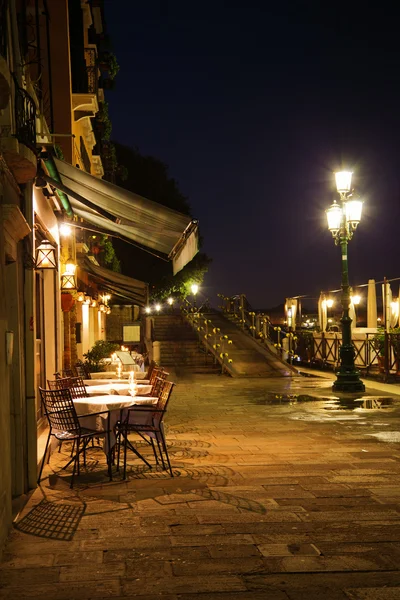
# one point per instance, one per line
(275, 497)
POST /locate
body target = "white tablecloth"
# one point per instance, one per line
(116, 388)
(115, 380)
(110, 406)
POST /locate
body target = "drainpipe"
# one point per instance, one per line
(52, 170)
(30, 349)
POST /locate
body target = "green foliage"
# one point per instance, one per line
(108, 62)
(179, 285)
(95, 356)
(109, 256)
(379, 340)
(104, 125)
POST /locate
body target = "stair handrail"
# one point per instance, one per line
(210, 336)
(258, 325)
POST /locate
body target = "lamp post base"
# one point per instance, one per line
(348, 382)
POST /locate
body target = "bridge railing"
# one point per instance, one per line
(373, 352)
(210, 336)
(258, 325)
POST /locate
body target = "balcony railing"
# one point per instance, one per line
(3, 28)
(91, 71)
(25, 118)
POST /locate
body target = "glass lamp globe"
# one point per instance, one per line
(353, 211)
(334, 217)
(343, 181)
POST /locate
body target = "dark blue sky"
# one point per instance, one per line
(253, 109)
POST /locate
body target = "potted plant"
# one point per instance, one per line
(94, 358)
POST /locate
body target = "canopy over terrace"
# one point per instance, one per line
(126, 215)
(129, 289)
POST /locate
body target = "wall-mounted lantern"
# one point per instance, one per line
(68, 281)
(45, 256)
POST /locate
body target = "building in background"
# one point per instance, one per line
(55, 297)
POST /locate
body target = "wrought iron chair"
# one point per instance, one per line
(78, 388)
(147, 421)
(151, 366)
(157, 372)
(81, 370)
(59, 383)
(64, 373)
(65, 426)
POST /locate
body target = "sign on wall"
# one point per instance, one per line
(131, 333)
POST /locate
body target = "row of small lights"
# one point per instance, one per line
(158, 307)
(92, 302)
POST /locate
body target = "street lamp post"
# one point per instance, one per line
(343, 219)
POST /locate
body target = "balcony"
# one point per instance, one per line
(18, 135)
(85, 86)
(5, 79)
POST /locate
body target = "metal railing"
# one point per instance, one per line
(25, 118)
(3, 28)
(374, 353)
(92, 70)
(258, 325)
(211, 337)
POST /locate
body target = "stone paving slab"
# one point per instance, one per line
(272, 498)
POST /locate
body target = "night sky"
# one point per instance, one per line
(253, 109)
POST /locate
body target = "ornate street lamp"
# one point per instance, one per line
(343, 219)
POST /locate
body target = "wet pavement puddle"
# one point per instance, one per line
(327, 404)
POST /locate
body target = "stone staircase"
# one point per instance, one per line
(250, 358)
(179, 345)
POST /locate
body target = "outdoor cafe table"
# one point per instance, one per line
(110, 407)
(92, 382)
(116, 388)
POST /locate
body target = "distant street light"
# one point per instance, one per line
(195, 288)
(343, 219)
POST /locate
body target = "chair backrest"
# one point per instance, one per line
(158, 383)
(59, 383)
(67, 373)
(60, 410)
(152, 365)
(165, 395)
(81, 371)
(78, 388)
(157, 372)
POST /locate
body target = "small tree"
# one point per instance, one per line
(94, 358)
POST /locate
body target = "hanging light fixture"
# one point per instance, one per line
(102, 307)
(108, 310)
(80, 297)
(87, 300)
(68, 281)
(93, 303)
(45, 256)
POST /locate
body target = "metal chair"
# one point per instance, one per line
(78, 388)
(65, 426)
(148, 421)
(150, 368)
(59, 383)
(81, 370)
